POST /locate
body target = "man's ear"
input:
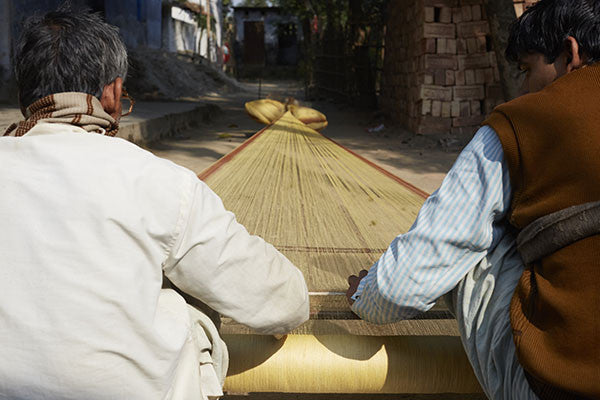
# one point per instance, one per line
(111, 98)
(573, 59)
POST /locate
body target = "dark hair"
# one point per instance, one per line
(67, 51)
(545, 26)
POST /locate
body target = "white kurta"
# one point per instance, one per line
(88, 225)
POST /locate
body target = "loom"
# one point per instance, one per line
(332, 213)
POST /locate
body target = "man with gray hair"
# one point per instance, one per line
(89, 225)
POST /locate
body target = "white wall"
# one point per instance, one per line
(181, 32)
(214, 54)
(270, 19)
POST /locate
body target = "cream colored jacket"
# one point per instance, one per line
(88, 224)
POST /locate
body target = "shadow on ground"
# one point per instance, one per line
(420, 160)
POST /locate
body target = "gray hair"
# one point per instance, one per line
(67, 51)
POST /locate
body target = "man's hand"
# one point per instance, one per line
(353, 281)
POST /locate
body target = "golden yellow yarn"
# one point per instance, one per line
(330, 212)
(265, 111)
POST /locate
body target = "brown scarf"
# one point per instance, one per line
(79, 109)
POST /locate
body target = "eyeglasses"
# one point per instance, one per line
(126, 96)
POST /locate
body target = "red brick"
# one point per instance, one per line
(472, 45)
(428, 125)
(456, 15)
(479, 60)
(441, 46)
(441, 3)
(466, 13)
(455, 108)
(439, 77)
(451, 46)
(436, 108)
(480, 76)
(461, 46)
(471, 92)
(475, 107)
(437, 30)
(465, 108)
(481, 44)
(426, 107)
(472, 29)
(476, 12)
(429, 14)
(446, 15)
(470, 77)
(449, 77)
(428, 46)
(489, 75)
(459, 77)
(439, 61)
(446, 109)
(433, 92)
(467, 121)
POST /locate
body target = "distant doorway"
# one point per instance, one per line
(254, 43)
(288, 44)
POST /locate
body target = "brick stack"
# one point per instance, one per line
(440, 71)
(522, 5)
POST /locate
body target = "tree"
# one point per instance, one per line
(500, 14)
(255, 3)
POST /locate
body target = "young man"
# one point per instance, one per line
(527, 305)
(90, 223)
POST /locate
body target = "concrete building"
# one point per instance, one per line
(265, 36)
(167, 24)
(185, 28)
(139, 21)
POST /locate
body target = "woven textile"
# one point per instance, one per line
(329, 211)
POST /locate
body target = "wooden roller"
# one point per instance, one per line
(348, 364)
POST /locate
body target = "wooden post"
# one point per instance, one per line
(500, 14)
(208, 31)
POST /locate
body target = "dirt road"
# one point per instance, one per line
(421, 161)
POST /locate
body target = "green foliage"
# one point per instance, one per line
(372, 11)
(202, 22)
(303, 8)
(226, 6)
(256, 3)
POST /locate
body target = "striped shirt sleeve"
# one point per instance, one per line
(455, 229)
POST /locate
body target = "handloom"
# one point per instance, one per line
(332, 213)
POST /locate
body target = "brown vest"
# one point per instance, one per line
(551, 142)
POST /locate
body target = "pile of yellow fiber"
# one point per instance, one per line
(267, 111)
